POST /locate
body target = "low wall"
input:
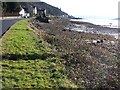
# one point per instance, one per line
(9, 14)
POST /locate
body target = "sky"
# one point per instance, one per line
(89, 8)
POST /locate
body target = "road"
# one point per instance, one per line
(6, 24)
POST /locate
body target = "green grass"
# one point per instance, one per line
(21, 40)
(28, 62)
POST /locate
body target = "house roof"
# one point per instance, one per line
(26, 10)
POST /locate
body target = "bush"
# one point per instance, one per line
(43, 19)
(51, 39)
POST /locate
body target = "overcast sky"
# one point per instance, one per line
(102, 8)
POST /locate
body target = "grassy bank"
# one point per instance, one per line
(28, 62)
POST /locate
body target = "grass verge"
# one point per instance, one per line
(28, 62)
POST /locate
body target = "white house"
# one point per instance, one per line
(35, 11)
(24, 14)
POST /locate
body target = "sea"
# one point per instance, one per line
(111, 23)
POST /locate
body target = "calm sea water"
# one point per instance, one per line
(103, 22)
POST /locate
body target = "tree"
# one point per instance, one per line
(11, 7)
(4, 6)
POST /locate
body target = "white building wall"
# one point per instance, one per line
(22, 12)
(35, 10)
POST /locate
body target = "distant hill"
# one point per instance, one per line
(51, 10)
(14, 7)
(116, 19)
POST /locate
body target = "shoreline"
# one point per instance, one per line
(110, 23)
(88, 27)
(90, 59)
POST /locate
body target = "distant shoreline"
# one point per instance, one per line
(102, 22)
(92, 28)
